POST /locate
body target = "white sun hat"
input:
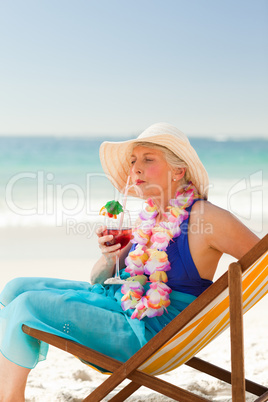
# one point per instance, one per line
(115, 157)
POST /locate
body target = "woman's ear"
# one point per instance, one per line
(179, 173)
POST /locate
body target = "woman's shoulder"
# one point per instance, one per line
(206, 207)
(205, 211)
(210, 213)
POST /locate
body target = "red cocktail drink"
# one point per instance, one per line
(119, 226)
(121, 236)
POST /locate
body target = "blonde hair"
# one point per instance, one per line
(173, 160)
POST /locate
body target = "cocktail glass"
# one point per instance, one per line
(121, 230)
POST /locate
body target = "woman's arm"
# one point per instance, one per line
(105, 266)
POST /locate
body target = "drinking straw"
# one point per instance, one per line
(124, 202)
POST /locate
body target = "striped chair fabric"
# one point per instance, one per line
(210, 323)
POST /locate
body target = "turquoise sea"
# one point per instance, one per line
(48, 180)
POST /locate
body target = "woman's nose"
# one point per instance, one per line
(136, 168)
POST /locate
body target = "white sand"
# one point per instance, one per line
(50, 252)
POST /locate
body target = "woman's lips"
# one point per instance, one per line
(139, 182)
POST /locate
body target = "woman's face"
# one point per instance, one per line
(150, 172)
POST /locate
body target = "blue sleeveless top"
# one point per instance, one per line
(183, 275)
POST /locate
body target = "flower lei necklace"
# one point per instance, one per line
(153, 261)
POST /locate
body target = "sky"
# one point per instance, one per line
(113, 67)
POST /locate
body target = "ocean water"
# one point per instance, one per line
(56, 180)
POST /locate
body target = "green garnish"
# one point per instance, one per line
(114, 207)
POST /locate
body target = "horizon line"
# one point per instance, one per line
(216, 137)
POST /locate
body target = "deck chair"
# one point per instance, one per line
(220, 306)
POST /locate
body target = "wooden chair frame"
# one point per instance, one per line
(130, 369)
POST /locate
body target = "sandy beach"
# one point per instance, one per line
(51, 252)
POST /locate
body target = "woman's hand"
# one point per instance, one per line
(109, 252)
(104, 267)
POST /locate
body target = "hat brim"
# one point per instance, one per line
(115, 160)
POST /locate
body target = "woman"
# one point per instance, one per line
(178, 242)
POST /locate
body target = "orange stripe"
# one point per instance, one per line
(252, 275)
(255, 297)
(262, 278)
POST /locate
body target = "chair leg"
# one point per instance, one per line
(263, 398)
(125, 392)
(224, 375)
(236, 330)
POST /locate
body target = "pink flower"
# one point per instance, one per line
(174, 228)
(147, 226)
(176, 231)
(132, 291)
(144, 215)
(150, 210)
(158, 261)
(129, 304)
(135, 261)
(184, 199)
(151, 267)
(178, 213)
(160, 240)
(143, 309)
(140, 237)
(162, 288)
(133, 269)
